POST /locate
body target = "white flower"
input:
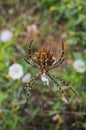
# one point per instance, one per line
(26, 78)
(79, 66)
(44, 78)
(15, 71)
(6, 35)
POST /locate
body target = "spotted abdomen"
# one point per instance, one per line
(44, 58)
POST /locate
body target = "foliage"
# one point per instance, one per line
(55, 19)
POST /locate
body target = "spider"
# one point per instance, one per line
(44, 60)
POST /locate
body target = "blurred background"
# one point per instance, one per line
(47, 22)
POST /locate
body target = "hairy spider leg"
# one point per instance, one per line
(62, 54)
(53, 79)
(32, 81)
(60, 61)
(28, 61)
(34, 65)
(54, 66)
(65, 83)
(28, 94)
(29, 50)
(24, 91)
(29, 86)
(29, 56)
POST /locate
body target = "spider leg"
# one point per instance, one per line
(53, 79)
(54, 66)
(65, 84)
(29, 52)
(29, 56)
(60, 61)
(28, 87)
(28, 61)
(24, 91)
(32, 64)
(62, 54)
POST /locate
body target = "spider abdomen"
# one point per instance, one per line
(44, 58)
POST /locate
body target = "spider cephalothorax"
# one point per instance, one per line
(44, 60)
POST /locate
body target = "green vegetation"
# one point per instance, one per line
(47, 22)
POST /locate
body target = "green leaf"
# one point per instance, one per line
(3, 96)
(34, 113)
(52, 113)
(57, 105)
